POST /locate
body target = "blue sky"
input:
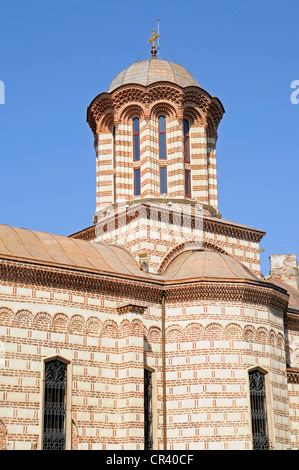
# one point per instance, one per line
(56, 56)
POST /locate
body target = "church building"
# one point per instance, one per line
(153, 328)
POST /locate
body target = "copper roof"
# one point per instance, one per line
(293, 293)
(206, 264)
(45, 248)
(60, 251)
(153, 70)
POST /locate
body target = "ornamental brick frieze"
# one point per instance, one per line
(243, 291)
(293, 376)
(27, 274)
(94, 326)
(196, 331)
(292, 320)
(194, 98)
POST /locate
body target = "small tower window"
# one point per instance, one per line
(163, 180)
(258, 406)
(136, 140)
(188, 183)
(162, 138)
(186, 141)
(137, 182)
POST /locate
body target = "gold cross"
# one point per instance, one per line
(154, 37)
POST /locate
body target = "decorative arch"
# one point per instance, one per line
(24, 316)
(60, 321)
(138, 328)
(185, 246)
(77, 324)
(214, 331)
(192, 114)
(6, 314)
(162, 108)
(233, 331)
(107, 121)
(194, 331)
(131, 111)
(154, 334)
(125, 328)
(261, 335)
(175, 333)
(42, 320)
(249, 333)
(93, 326)
(110, 329)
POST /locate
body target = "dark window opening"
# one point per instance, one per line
(258, 406)
(148, 410)
(188, 183)
(54, 426)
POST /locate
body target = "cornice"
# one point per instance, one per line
(212, 225)
(147, 95)
(150, 290)
(293, 375)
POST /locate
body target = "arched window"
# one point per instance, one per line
(186, 141)
(162, 138)
(54, 424)
(136, 140)
(260, 434)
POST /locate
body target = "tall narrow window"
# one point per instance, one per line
(54, 426)
(114, 164)
(259, 422)
(188, 183)
(148, 410)
(162, 138)
(136, 140)
(186, 141)
(137, 182)
(113, 143)
(163, 180)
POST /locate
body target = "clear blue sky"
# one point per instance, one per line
(57, 55)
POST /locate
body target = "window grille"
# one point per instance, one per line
(258, 410)
(148, 410)
(54, 427)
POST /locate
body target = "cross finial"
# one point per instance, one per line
(153, 40)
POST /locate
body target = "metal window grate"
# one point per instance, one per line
(148, 410)
(54, 405)
(258, 411)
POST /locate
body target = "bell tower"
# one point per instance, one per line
(155, 133)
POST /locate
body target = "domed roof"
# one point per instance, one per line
(207, 264)
(153, 70)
